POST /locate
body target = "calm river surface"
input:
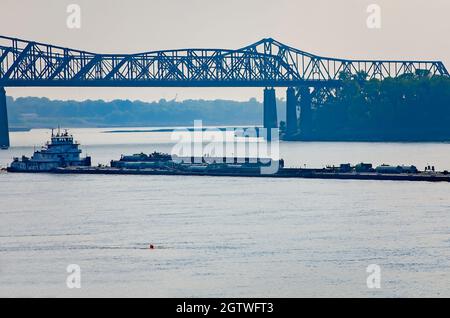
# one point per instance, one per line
(224, 237)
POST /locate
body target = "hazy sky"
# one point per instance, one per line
(410, 29)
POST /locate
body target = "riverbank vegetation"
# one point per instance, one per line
(408, 108)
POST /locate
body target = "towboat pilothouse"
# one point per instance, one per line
(62, 151)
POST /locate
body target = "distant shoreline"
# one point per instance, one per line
(190, 129)
(118, 130)
(19, 129)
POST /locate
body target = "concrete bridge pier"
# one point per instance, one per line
(291, 112)
(4, 131)
(305, 112)
(270, 111)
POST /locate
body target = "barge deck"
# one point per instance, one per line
(282, 173)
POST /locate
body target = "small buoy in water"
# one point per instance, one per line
(152, 247)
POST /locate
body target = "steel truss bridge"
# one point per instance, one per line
(262, 64)
(267, 63)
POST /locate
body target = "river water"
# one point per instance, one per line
(224, 237)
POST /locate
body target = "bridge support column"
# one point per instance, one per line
(4, 131)
(270, 111)
(291, 113)
(305, 112)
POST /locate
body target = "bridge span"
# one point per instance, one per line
(266, 63)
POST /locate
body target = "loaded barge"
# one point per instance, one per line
(165, 164)
(62, 156)
(282, 173)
